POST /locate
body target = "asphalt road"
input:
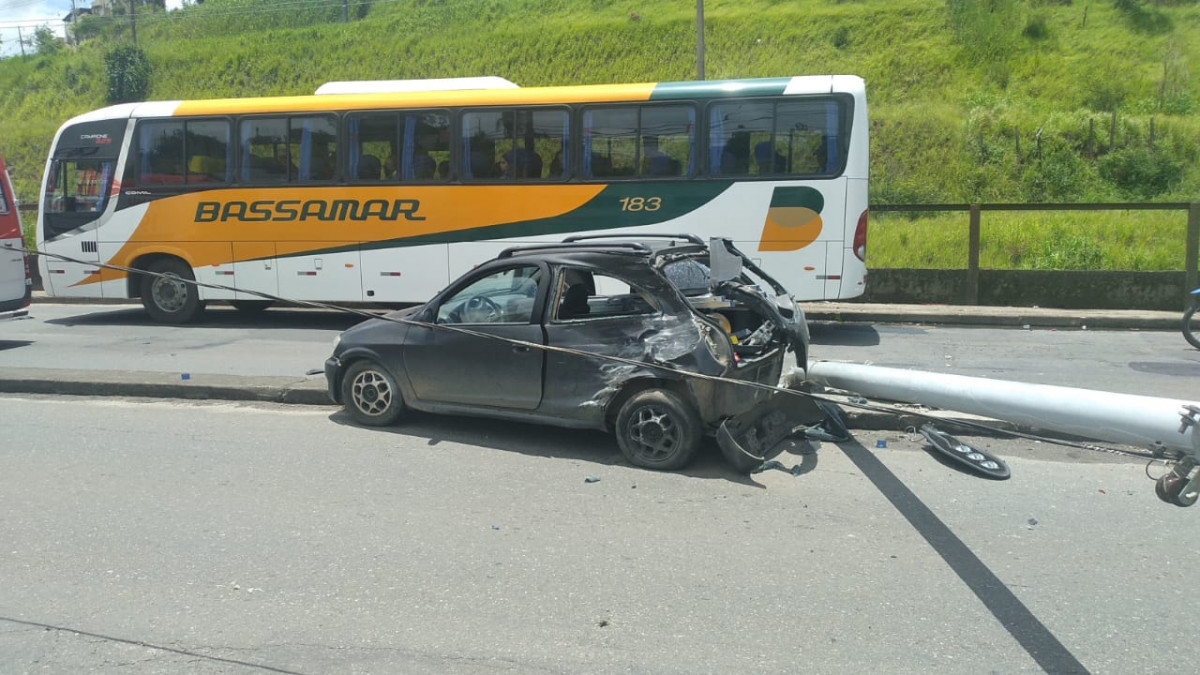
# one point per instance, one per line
(142, 536)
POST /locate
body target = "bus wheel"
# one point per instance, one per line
(251, 306)
(167, 294)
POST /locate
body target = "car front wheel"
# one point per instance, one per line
(370, 394)
(658, 430)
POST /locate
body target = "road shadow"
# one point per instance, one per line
(13, 344)
(842, 334)
(1169, 368)
(1037, 640)
(584, 445)
(225, 317)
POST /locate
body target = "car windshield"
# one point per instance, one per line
(506, 296)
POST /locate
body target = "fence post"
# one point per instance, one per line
(973, 257)
(1193, 250)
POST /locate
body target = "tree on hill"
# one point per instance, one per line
(128, 72)
(45, 42)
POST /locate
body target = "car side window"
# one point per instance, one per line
(505, 296)
(585, 295)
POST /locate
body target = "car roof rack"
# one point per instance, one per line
(612, 246)
(628, 236)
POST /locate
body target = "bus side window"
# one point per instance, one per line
(737, 131)
(160, 153)
(609, 142)
(650, 141)
(515, 145)
(426, 145)
(667, 133)
(790, 138)
(808, 132)
(208, 152)
(313, 148)
(264, 150)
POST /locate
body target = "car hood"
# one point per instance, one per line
(392, 324)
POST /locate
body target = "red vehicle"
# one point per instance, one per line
(16, 284)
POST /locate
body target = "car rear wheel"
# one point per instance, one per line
(657, 430)
(370, 394)
(169, 293)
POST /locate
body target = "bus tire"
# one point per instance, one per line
(167, 294)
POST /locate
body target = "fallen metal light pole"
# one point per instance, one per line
(1169, 426)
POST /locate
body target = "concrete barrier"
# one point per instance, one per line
(1164, 291)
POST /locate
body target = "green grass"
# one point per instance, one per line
(959, 90)
(1033, 240)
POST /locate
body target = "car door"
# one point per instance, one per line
(447, 366)
(597, 313)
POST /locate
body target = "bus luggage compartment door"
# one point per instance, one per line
(255, 269)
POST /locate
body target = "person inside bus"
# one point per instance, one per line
(822, 154)
(282, 165)
(768, 160)
(368, 167)
(443, 170)
(533, 165)
(735, 159)
(517, 163)
(424, 166)
(654, 161)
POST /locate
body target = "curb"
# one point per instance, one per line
(138, 384)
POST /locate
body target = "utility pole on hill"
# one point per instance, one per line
(345, 12)
(700, 39)
(133, 20)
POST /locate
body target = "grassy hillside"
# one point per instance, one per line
(961, 92)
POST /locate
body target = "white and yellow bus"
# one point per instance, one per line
(384, 192)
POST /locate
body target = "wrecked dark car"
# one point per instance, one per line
(663, 306)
